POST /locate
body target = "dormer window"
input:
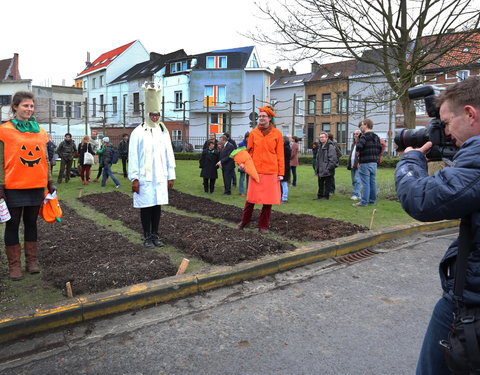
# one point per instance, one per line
(179, 66)
(216, 62)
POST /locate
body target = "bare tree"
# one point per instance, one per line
(406, 36)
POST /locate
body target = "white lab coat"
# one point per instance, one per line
(151, 161)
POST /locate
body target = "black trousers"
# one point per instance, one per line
(324, 186)
(124, 165)
(12, 226)
(65, 167)
(227, 179)
(150, 218)
(209, 184)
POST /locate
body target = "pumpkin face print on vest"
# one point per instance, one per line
(29, 157)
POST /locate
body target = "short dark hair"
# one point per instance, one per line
(68, 134)
(125, 134)
(295, 139)
(210, 142)
(18, 97)
(466, 92)
(227, 135)
(367, 122)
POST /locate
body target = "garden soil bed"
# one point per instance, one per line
(94, 259)
(211, 242)
(292, 226)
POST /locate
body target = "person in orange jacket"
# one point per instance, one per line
(265, 145)
(24, 175)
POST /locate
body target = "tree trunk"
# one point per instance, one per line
(409, 113)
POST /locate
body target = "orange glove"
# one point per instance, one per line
(135, 186)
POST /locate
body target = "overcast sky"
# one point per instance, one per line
(52, 37)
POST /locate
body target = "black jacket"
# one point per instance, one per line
(287, 153)
(227, 161)
(82, 148)
(369, 148)
(207, 162)
(123, 148)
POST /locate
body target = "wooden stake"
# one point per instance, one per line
(69, 289)
(371, 220)
(80, 193)
(183, 266)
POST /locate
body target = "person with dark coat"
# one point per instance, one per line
(66, 151)
(234, 144)
(227, 164)
(326, 164)
(51, 147)
(213, 137)
(314, 154)
(107, 163)
(451, 193)
(287, 153)
(84, 147)
(123, 153)
(208, 163)
(352, 166)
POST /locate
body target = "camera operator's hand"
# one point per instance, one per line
(424, 149)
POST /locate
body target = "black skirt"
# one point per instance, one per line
(24, 197)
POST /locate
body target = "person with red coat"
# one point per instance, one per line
(24, 175)
(265, 145)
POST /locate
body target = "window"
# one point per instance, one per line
(216, 62)
(462, 75)
(94, 105)
(178, 100)
(355, 103)
(312, 102)
(5, 99)
(341, 132)
(177, 135)
(136, 102)
(59, 104)
(216, 122)
(101, 103)
(216, 94)
(341, 102)
(77, 110)
(68, 109)
(124, 103)
(179, 66)
(101, 81)
(299, 105)
(94, 83)
(253, 62)
(114, 105)
(326, 103)
(85, 86)
(326, 127)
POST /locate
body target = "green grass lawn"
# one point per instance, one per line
(32, 292)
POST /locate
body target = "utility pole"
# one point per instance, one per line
(143, 112)
(104, 119)
(49, 115)
(293, 113)
(163, 108)
(208, 114)
(253, 108)
(68, 109)
(86, 115)
(184, 121)
(230, 118)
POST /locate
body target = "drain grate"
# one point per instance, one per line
(356, 256)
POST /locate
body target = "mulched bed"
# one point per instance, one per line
(293, 226)
(94, 259)
(213, 243)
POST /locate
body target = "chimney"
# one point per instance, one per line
(315, 66)
(14, 74)
(88, 64)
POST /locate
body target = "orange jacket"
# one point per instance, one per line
(25, 158)
(267, 151)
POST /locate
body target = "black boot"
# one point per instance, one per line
(147, 240)
(156, 240)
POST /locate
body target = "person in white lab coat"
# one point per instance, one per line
(151, 167)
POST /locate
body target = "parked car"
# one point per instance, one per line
(182, 146)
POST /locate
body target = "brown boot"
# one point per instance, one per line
(14, 262)
(30, 249)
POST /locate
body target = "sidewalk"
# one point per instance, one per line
(119, 300)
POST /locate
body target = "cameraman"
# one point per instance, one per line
(452, 193)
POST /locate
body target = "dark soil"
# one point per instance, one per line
(293, 226)
(93, 259)
(213, 243)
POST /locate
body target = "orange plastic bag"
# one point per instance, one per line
(50, 210)
(241, 156)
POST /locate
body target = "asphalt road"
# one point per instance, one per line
(328, 318)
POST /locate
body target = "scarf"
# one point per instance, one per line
(266, 131)
(30, 126)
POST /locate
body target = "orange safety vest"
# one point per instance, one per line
(25, 158)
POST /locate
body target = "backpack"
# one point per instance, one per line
(115, 155)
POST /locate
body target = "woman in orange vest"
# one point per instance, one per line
(265, 145)
(24, 175)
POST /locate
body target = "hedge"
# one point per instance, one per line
(387, 161)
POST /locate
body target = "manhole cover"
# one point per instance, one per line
(356, 256)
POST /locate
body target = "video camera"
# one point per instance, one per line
(443, 147)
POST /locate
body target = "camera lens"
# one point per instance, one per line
(411, 138)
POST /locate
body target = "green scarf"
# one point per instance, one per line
(30, 126)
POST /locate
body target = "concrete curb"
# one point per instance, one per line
(140, 295)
